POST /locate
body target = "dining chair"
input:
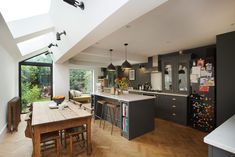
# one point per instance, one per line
(76, 135)
(48, 140)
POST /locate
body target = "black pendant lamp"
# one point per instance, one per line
(111, 67)
(126, 64)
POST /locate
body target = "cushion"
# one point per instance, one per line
(72, 93)
(77, 93)
(82, 98)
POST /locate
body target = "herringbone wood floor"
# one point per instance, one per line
(167, 140)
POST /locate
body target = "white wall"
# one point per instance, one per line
(8, 84)
(61, 79)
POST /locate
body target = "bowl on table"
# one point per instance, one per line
(58, 99)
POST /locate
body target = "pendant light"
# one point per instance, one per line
(111, 67)
(126, 64)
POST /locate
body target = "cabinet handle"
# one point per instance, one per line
(173, 114)
(173, 99)
(174, 106)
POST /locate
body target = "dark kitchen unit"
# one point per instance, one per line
(172, 107)
(225, 77)
(188, 80)
(202, 96)
(172, 102)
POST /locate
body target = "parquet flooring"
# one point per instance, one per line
(167, 140)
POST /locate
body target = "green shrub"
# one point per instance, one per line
(29, 94)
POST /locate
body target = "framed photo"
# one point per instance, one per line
(131, 75)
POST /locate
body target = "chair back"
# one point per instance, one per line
(28, 131)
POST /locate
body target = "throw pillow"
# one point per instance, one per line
(72, 93)
(77, 93)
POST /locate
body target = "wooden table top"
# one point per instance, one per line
(42, 114)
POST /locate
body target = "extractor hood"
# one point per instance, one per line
(153, 64)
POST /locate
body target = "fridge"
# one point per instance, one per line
(202, 95)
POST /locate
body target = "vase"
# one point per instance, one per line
(113, 91)
(118, 92)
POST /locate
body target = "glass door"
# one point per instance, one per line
(182, 77)
(168, 75)
(35, 80)
(36, 84)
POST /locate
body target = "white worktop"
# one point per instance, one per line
(223, 137)
(162, 93)
(125, 97)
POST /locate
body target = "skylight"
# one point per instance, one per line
(19, 9)
(35, 44)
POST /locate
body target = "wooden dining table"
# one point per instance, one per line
(45, 119)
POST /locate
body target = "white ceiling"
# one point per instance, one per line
(99, 19)
(175, 25)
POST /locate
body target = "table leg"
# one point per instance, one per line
(89, 136)
(37, 146)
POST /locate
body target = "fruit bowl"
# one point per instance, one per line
(58, 99)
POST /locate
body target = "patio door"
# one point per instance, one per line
(35, 82)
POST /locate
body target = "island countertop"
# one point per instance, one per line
(223, 137)
(161, 93)
(125, 97)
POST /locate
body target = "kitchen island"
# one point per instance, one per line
(136, 116)
(221, 141)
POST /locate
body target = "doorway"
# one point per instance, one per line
(35, 80)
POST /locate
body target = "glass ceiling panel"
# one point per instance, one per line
(35, 44)
(19, 9)
(42, 58)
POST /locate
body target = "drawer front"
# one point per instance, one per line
(179, 110)
(173, 108)
(163, 107)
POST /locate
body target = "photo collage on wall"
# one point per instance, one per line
(202, 73)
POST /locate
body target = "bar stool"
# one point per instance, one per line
(102, 103)
(114, 108)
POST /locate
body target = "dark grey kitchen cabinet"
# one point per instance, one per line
(225, 77)
(217, 152)
(173, 108)
(175, 73)
(163, 109)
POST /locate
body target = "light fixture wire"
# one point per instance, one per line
(126, 50)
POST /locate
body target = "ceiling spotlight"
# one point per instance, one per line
(75, 3)
(59, 34)
(48, 53)
(51, 44)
